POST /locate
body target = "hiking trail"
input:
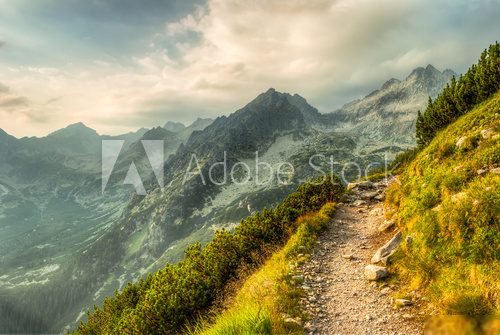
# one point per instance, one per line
(339, 297)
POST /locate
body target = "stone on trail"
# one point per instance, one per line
(369, 195)
(374, 272)
(361, 185)
(359, 202)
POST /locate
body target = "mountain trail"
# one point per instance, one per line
(340, 299)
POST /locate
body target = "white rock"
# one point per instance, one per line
(383, 254)
(368, 195)
(385, 291)
(374, 272)
(461, 141)
(487, 133)
(481, 172)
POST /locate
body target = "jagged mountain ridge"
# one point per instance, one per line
(387, 116)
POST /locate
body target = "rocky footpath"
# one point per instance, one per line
(344, 279)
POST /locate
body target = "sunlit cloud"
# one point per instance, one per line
(209, 59)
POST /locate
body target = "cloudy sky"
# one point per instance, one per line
(117, 65)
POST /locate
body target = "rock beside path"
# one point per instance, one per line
(388, 249)
(374, 272)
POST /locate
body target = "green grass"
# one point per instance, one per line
(270, 293)
(453, 214)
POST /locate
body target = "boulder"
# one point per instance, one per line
(366, 184)
(386, 225)
(359, 202)
(351, 186)
(374, 272)
(409, 240)
(402, 302)
(461, 141)
(383, 254)
(481, 172)
(361, 185)
(368, 195)
(487, 133)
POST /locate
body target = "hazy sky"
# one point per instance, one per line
(118, 65)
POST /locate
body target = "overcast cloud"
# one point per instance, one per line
(118, 65)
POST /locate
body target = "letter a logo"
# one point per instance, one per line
(110, 153)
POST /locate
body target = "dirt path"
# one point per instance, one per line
(339, 297)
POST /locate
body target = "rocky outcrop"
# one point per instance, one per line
(383, 254)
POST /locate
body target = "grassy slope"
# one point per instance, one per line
(270, 293)
(453, 215)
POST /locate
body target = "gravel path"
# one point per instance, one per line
(339, 298)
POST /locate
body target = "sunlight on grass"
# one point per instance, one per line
(269, 294)
(448, 201)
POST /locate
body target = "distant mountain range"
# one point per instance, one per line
(64, 246)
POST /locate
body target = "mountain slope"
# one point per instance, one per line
(447, 202)
(177, 294)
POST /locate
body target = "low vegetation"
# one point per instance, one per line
(268, 301)
(459, 97)
(178, 295)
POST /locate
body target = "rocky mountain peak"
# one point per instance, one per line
(430, 73)
(74, 130)
(269, 98)
(275, 99)
(174, 126)
(200, 123)
(158, 133)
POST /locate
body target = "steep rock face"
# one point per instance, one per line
(387, 116)
(253, 128)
